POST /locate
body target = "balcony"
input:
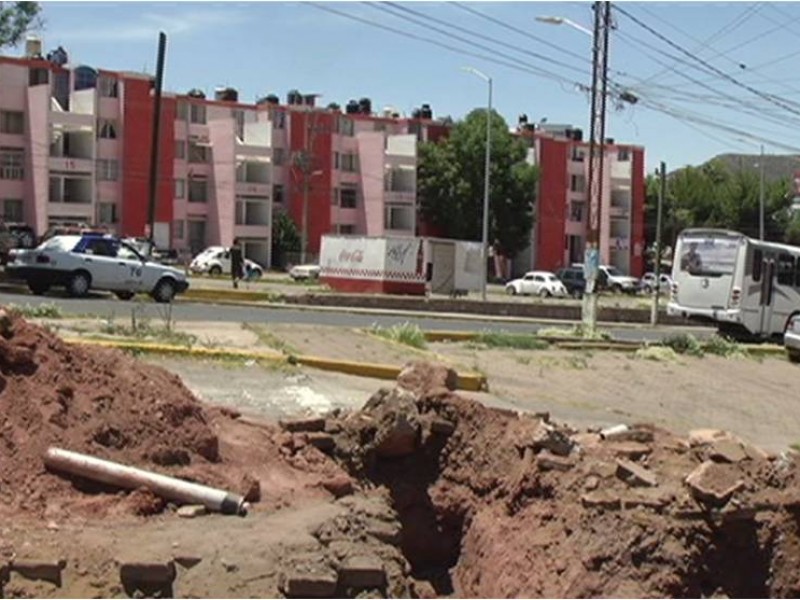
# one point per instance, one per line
(399, 219)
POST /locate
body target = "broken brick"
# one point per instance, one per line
(44, 570)
(305, 425)
(550, 462)
(728, 451)
(632, 450)
(634, 474)
(339, 485)
(600, 499)
(309, 583)
(442, 426)
(190, 511)
(713, 483)
(323, 442)
(362, 572)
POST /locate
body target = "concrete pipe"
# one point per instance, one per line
(131, 478)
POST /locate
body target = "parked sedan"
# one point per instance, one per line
(80, 263)
(216, 260)
(303, 272)
(573, 280)
(648, 283)
(791, 339)
(537, 283)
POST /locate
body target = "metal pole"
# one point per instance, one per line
(761, 198)
(151, 209)
(306, 175)
(485, 233)
(662, 174)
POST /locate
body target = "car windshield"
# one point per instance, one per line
(551, 278)
(708, 255)
(614, 271)
(127, 252)
(61, 243)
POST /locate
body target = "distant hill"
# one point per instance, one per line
(776, 166)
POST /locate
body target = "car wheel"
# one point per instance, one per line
(164, 291)
(511, 290)
(616, 288)
(257, 274)
(79, 284)
(124, 295)
(647, 290)
(38, 287)
(544, 293)
(794, 356)
(215, 270)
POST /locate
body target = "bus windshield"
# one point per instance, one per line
(708, 256)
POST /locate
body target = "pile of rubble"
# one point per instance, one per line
(496, 504)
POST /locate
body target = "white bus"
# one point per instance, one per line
(743, 285)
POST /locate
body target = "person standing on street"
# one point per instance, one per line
(237, 263)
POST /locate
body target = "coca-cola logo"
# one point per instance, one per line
(354, 256)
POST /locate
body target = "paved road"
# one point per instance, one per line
(104, 306)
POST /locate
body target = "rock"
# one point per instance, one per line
(424, 377)
(728, 451)
(322, 441)
(640, 435)
(362, 571)
(305, 425)
(601, 499)
(4, 574)
(649, 498)
(339, 485)
(229, 565)
(442, 426)
(591, 483)
(550, 462)
(398, 425)
(147, 578)
(44, 570)
(250, 488)
(309, 582)
(548, 438)
(52, 526)
(634, 474)
(386, 532)
(632, 450)
(190, 511)
(705, 437)
(586, 440)
(713, 483)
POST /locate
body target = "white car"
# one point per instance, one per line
(613, 279)
(302, 272)
(791, 339)
(648, 283)
(80, 263)
(537, 283)
(216, 260)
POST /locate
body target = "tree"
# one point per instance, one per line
(450, 184)
(285, 238)
(16, 19)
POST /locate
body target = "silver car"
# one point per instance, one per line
(791, 339)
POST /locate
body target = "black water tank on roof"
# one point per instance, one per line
(522, 119)
(352, 108)
(227, 94)
(416, 114)
(426, 112)
(294, 97)
(577, 135)
(196, 93)
(365, 106)
(334, 106)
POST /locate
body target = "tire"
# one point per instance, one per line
(124, 295)
(79, 284)
(793, 355)
(38, 287)
(511, 290)
(164, 291)
(215, 271)
(647, 290)
(543, 293)
(616, 288)
(257, 274)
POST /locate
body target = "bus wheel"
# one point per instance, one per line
(794, 356)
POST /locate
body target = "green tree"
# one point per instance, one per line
(285, 238)
(450, 184)
(16, 19)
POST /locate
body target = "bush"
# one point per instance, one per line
(683, 343)
(40, 311)
(518, 341)
(721, 346)
(405, 333)
(657, 354)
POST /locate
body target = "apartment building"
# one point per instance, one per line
(562, 209)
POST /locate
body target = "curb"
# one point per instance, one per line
(471, 382)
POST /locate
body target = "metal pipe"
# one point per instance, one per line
(155, 142)
(106, 471)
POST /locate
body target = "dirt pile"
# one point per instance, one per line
(496, 504)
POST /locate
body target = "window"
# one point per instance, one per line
(335, 160)
(238, 117)
(346, 126)
(350, 163)
(347, 197)
(198, 190)
(623, 155)
(198, 153)
(277, 194)
(180, 189)
(197, 113)
(12, 211)
(37, 76)
(107, 129)
(278, 156)
(108, 87)
(786, 269)
(180, 149)
(252, 210)
(85, 78)
(758, 263)
(577, 183)
(400, 218)
(107, 170)
(279, 119)
(100, 247)
(346, 229)
(577, 154)
(11, 163)
(106, 213)
(12, 121)
(182, 111)
(576, 212)
(177, 230)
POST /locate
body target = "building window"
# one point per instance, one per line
(238, 117)
(277, 194)
(106, 213)
(182, 111)
(107, 129)
(12, 163)
(399, 218)
(349, 163)
(180, 149)
(346, 229)
(347, 197)
(278, 156)
(107, 170)
(85, 78)
(252, 210)
(279, 119)
(577, 183)
(198, 190)
(197, 113)
(180, 189)
(177, 230)
(12, 121)
(335, 160)
(108, 87)
(38, 76)
(577, 154)
(12, 211)
(346, 126)
(198, 153)
(623, 155)
(576, 212)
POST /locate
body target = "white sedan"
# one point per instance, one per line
(80, 263)
(216, 260)
(303, 272)
(537, 283)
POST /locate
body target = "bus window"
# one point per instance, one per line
(758, 262)
(786, 269)
(797, 274)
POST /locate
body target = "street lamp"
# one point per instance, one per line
(485, 227)
(563, 21)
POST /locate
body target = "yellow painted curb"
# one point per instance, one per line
(472, 382)
(232, 295)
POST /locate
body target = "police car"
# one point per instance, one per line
(80, 263)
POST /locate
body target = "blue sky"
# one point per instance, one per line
(272, 47)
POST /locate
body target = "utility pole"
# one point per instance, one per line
(304, 162)
(761, 197)
(602, 25)
(151, 207)
(662, 175)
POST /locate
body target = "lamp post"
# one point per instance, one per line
(563, 21)
(485, 226)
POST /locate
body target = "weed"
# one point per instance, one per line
(47, 310)
(657, 354)
(683, 343)
(269, 339)
(518, 341)
(721, 346)
(407, 334)
(795, 446)
(143, 330)
(576, 331)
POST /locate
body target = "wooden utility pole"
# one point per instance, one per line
(151, 207)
